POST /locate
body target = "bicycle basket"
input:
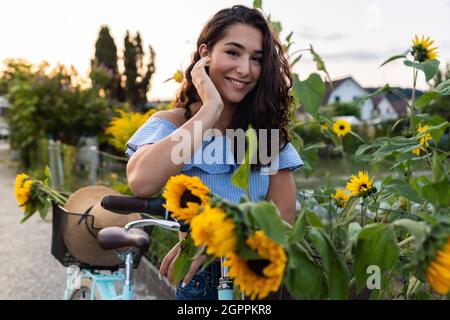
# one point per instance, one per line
(88, 253)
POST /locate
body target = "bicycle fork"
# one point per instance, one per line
(225, 288)
(129, 284)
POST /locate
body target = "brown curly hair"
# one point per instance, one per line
(267, 106)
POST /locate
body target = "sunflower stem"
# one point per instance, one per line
(413, 99)
(361, 203)
(343, 155)
(406, 241)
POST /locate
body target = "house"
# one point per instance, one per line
(377, 109)
(4, 104)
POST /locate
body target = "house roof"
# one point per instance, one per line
(329, 87)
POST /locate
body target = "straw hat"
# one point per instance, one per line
(80, 231)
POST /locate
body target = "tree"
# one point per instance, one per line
(104, 71)
(137, 76)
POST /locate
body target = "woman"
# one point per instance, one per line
(238, 77)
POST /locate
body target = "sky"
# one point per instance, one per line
(353, 37)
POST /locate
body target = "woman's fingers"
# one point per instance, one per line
(198, 72)
(193, 269)
(170, 256)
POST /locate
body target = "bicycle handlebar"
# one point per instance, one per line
(128, 204)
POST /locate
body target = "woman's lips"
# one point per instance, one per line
(236, 84)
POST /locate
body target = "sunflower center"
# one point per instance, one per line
(420, 53)
(341, 127)
(186, 197)
(257, 266)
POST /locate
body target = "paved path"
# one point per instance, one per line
(27, 269)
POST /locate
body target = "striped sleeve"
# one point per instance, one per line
(153, 130)
(289, 158)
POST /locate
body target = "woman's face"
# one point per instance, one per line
(235, 65)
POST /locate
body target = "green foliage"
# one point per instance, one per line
(50, 103)
(137, 73)
(310, 92)
(104, 73)
(268, 219)
(337, 272)
(241, 176)
(376, 246)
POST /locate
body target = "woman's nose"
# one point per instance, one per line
(243, 67)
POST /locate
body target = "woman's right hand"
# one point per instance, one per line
(167, 265)
(205, 87)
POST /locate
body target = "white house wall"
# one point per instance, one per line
(386, 110)
(349, 91)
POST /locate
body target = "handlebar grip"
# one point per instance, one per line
(128, 204)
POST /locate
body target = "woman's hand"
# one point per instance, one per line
(167, 265)
(205, 87)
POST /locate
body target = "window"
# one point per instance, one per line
(337, 99)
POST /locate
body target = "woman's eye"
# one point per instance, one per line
(232, 53)
(259, 60)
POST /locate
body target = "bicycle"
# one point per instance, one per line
(87, 282)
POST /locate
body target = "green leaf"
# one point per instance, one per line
(376, 245)
(43, 210)
(298, 230)
(393, 58)
(257, 4)
(338, 275)
(437, 167)
(241, 176)
(352, 236)
(404, 189)
(357, 136)
(381, 90)
(268, 218)
(248, 253)
(297, 59)
(429, 67)
(313, 220)
(437, 193)
(426, 98)
(296, 89)
(304, 278)
(443, 88)
(362, 149)
(184, 259)
(417, 229)
(311, 92)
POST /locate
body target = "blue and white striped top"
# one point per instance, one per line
(217, 176)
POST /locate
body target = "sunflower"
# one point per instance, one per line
(423, 141)
(22, 187)
(341, 197)
(324, 126)
(361, 185)
(214, 229)
(341, 127)
(257, 278)
(421, 49)
(438, 271)
(185, 195)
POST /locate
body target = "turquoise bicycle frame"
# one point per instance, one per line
(104, 283)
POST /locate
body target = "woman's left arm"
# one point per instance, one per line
(282, 192)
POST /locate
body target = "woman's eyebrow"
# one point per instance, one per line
(240, 46)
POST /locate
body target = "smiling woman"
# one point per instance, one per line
(238, 78)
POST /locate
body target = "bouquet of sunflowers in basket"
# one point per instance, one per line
(36, 195)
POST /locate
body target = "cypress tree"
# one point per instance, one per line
(104, 73)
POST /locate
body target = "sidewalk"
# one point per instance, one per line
(28, 271)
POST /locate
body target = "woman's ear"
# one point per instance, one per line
(203, 50)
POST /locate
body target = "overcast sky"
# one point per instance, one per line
(353, 37)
